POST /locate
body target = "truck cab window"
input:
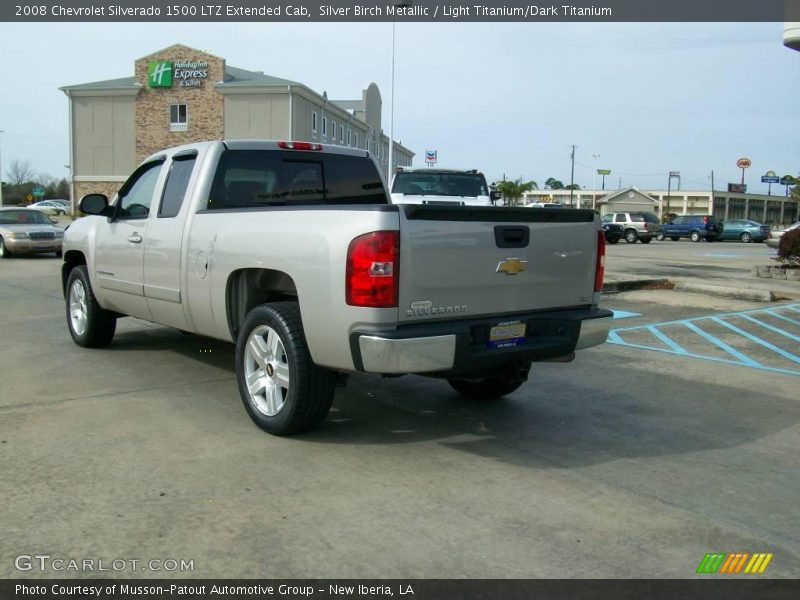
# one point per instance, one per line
(177, 183)
(137, 194)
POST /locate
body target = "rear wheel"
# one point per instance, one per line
(631, 236)
(695, 236)
(746, 237)
(4, 252)
(89, 324)
(283, 391)
(613, 240)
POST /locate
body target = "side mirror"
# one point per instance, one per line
(95, 204)
(495, 196)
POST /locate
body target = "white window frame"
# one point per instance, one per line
(333, 130)
(314, 122)
(349, 137)
(324, 127)
(355, 139)
(341, 133)
(178, 125)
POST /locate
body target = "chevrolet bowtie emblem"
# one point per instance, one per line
(511, 266)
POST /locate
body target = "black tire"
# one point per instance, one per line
(61, 213)
(746, 237)
(490, 388)
(645, 240)
(308, 394)
(695, 236)
(100, 324)
(59, 253)
(674, 238)
(613, 240)
(4, 252)
(631, 236)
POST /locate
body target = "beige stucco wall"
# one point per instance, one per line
(257, 116)
(205, 105)
(104, 140)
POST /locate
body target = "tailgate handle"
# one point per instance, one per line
(506, 236)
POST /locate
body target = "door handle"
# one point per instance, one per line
(135, 238)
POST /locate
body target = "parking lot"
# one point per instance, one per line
(678, 438)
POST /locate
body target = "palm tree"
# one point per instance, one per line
(514, 190)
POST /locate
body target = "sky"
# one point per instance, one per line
(509, 99)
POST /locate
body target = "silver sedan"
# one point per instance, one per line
(773, 241)
(28, 231)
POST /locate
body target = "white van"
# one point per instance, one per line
(442, 186)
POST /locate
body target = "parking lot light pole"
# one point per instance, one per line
(1, 169)
(594, 184)
(390, 168)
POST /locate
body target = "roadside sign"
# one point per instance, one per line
(604, 171)
(770, 179)
(744, 163)
(29, 197)
(787, 180)
(38, 191)
(674, 173)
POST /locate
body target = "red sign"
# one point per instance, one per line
(743, 163)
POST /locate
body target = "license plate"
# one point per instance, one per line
(505, 335)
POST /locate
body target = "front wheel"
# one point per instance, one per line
(490, 388)
(283, 391)
(89, 324)
(631, 236)
(695, 237)
(746, 237)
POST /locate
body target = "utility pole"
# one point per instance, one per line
(712, 194)
(594, 184)
(572, 178)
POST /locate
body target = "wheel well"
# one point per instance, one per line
(72, 259)
(247, 288)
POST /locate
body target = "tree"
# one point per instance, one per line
(514, 190)
(572, 186)
(20, 172)
(554, 184)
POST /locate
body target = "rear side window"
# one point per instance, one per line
(177, 183)
(258, 178)
(440, 184)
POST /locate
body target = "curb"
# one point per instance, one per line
(626, 285)
(726, 292)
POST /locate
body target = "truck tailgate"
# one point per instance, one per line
(462, 262)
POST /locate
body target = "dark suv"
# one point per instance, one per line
(695, 227)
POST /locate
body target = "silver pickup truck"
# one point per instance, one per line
(294, 253)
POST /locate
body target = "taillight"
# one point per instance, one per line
(373, 262)
(299, 145)
(600, 267)
(705, 220)
(645, 225)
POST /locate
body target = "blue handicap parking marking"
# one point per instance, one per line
(624, 314)
(781, 324)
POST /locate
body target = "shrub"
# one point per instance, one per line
(789, 248)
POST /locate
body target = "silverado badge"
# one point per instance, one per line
(511, 266)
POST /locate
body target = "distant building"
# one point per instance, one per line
(179, 95)
(773, 210)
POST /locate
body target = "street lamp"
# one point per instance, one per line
(1, 170)
(594, 184)
(404, 4)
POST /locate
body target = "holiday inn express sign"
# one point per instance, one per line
(188, 73)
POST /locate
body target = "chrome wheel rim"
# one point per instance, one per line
(266, 371)
(2, 248)
(78, 313)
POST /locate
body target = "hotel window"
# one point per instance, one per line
(314, 122)
(349, 137)
(333, 130)
(324, 126)
(355, 139)
(177, 117)
(341, 133)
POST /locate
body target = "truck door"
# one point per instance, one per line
(162, 249)
(119, 264)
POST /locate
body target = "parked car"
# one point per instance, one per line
(744, 230)
(442, 187)
(544, 205)
(637, 225)
(775, 238)
(694, 227)
(613, 232)
(50, 207)
(26, 231)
